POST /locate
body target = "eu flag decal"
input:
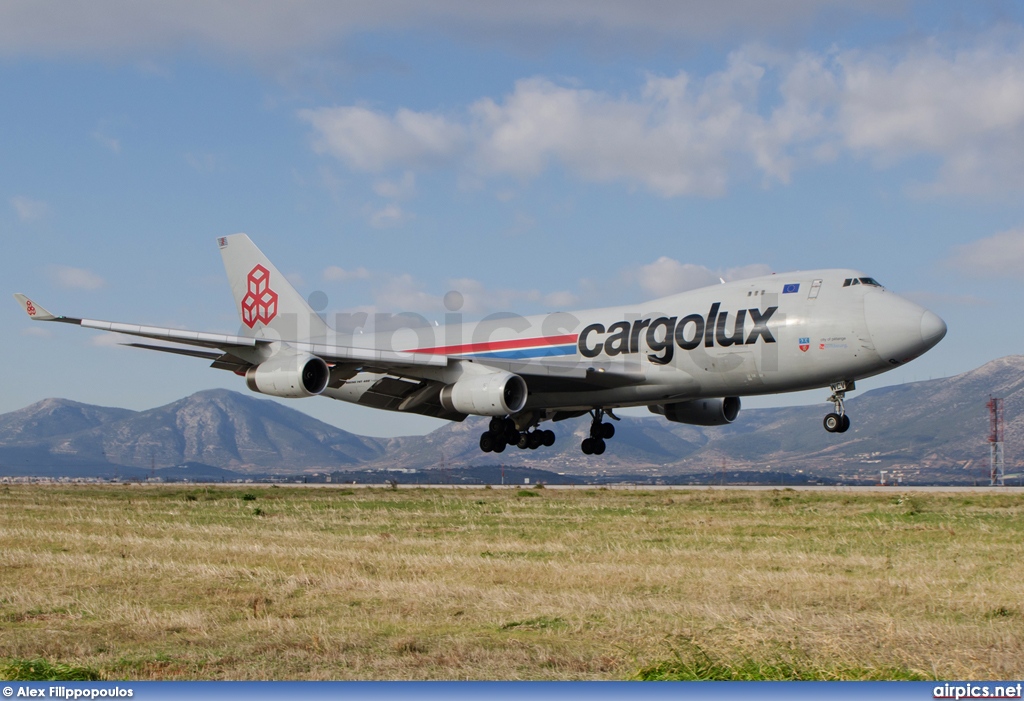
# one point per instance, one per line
(787, 289)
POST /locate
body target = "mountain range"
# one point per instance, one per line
(931, 430)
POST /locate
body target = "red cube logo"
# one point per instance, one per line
(260, 302)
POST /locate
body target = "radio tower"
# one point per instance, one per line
(995, 440)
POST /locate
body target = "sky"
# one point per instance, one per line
(532, 156)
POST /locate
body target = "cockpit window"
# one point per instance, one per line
(860, 281)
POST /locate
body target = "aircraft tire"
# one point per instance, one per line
(548, 438)
(523, 441)
(832, 422)
(599, 446)
(487, 442)
(607, 431)
(497, 424)
(845, 425)
(511, 432)
(499, 445)
(587, 446)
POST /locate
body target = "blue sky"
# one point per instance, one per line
(533, 156)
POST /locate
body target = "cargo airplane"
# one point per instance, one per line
(688, 357)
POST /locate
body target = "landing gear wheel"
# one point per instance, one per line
(499, 445)
(607, 431)
(511, 432)
(535, 439)
(487, 442)
(523, 442)
(547, 438)
(598, 446)
(587, 446)
(833, 423)
(838, 421)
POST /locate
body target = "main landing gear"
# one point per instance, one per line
(838, 421)
(599, 433)
(503, 432)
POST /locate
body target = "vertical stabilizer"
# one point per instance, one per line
(267, 303)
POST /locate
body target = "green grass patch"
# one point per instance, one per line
(39, 670)
(539, 623)
(690, 662)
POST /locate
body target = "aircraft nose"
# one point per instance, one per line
(900, 330)
(933, 329)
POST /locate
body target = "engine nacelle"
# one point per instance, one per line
(289, 374)
(487, 394)
(700, 412)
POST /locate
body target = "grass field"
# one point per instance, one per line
(177, 582)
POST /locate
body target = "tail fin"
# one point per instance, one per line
(264, 297)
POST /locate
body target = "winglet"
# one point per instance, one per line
(34, 310)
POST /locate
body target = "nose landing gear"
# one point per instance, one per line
(838, 421)
(599, 433)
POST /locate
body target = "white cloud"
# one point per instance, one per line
(36, 332)
(110, 340)
(667, 276)
(765, 113)
(480, 299)
(28, 209)
(388, 216)
(965, 107)
(334, 273)
(1001, 254)
(397, 189)
(370, 141)
(561, 300)
(107, 141)
(75, 278)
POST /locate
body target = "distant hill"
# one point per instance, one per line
(933, 430)
(216, 427)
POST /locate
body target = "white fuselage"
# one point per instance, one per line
(778, 333)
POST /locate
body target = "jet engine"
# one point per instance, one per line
(700, 412)
(289, 374)
(487, 394)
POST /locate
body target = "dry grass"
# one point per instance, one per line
(169, 582)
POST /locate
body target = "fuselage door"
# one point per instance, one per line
(815, 286)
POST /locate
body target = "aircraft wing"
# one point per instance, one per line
(227, 352)
(553, 375)
(227, 343)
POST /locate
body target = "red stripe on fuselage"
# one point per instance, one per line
(499, 345)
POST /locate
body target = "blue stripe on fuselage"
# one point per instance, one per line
(522, 353)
